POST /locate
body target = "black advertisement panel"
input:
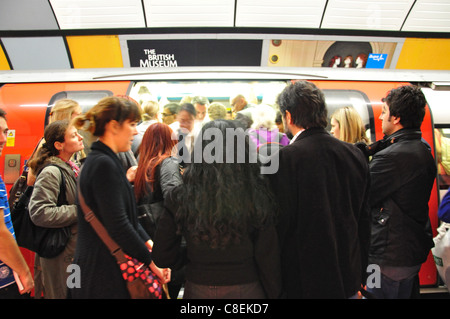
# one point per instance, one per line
(178, 53)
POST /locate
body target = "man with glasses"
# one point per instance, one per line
(169, 114)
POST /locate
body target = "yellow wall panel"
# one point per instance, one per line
(95, 51)
(4, 65)
(425, 54)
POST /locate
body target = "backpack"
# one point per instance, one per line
(18, 188)
(46, 242)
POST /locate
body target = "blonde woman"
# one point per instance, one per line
(347, 126)
(65, 109)
(150, 112)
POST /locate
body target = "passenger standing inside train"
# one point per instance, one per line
(61, 142)
(263, 129)
(201, 105)
(217, 111)
(11, 259)
(239, 103)
(225, 211)
(169, 114)
(187, 132)
(158, 172)
(322, 187)
(106, 190)
(402, 175)
(150, 115)
(347, 125)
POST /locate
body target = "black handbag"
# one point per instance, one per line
(148, 216)
(20, 185)
(46, 242)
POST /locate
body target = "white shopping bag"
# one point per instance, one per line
(441, 252)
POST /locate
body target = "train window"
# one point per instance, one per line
(442, 142)
(438, 103)
(86, 99)
(256, 92)
(336, 99)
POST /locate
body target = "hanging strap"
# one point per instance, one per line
(101, 231)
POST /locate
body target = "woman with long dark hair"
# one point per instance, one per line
(225, 211)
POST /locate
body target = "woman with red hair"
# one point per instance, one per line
(157, 173)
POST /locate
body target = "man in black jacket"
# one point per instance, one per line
(322, 189)
(402, 175)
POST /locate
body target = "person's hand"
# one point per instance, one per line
(163, 274)
(26, 282)
(131, 173)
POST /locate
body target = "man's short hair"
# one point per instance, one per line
(188, 107)
(200, 100)
(306, 104)
(3, 113)
(408, 103)
(172, 107)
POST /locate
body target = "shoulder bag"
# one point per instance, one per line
(20, 185)
(141, 282)
(46, 242)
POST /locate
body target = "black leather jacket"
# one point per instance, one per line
(402, 175)
(151, 207)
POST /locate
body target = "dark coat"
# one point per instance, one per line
(151, 206)
(322, 188)
(402, 176)
(108, 193)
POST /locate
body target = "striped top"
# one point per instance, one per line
(6, 273)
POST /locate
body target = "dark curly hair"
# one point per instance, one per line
(407, 102)
(306, 104)
(223, 200)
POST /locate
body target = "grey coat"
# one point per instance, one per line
(43, 209)
(45, 213)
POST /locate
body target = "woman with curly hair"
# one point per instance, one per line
(225, 211)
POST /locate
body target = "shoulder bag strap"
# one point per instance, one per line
(62, 199)
(90, 217)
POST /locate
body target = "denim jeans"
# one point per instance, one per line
(244, 291)
(408, 288)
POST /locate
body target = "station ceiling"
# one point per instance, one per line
(33, 31)
(379, 15)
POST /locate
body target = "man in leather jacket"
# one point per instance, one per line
(402, 173)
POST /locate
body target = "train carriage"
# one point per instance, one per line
(27, 97)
